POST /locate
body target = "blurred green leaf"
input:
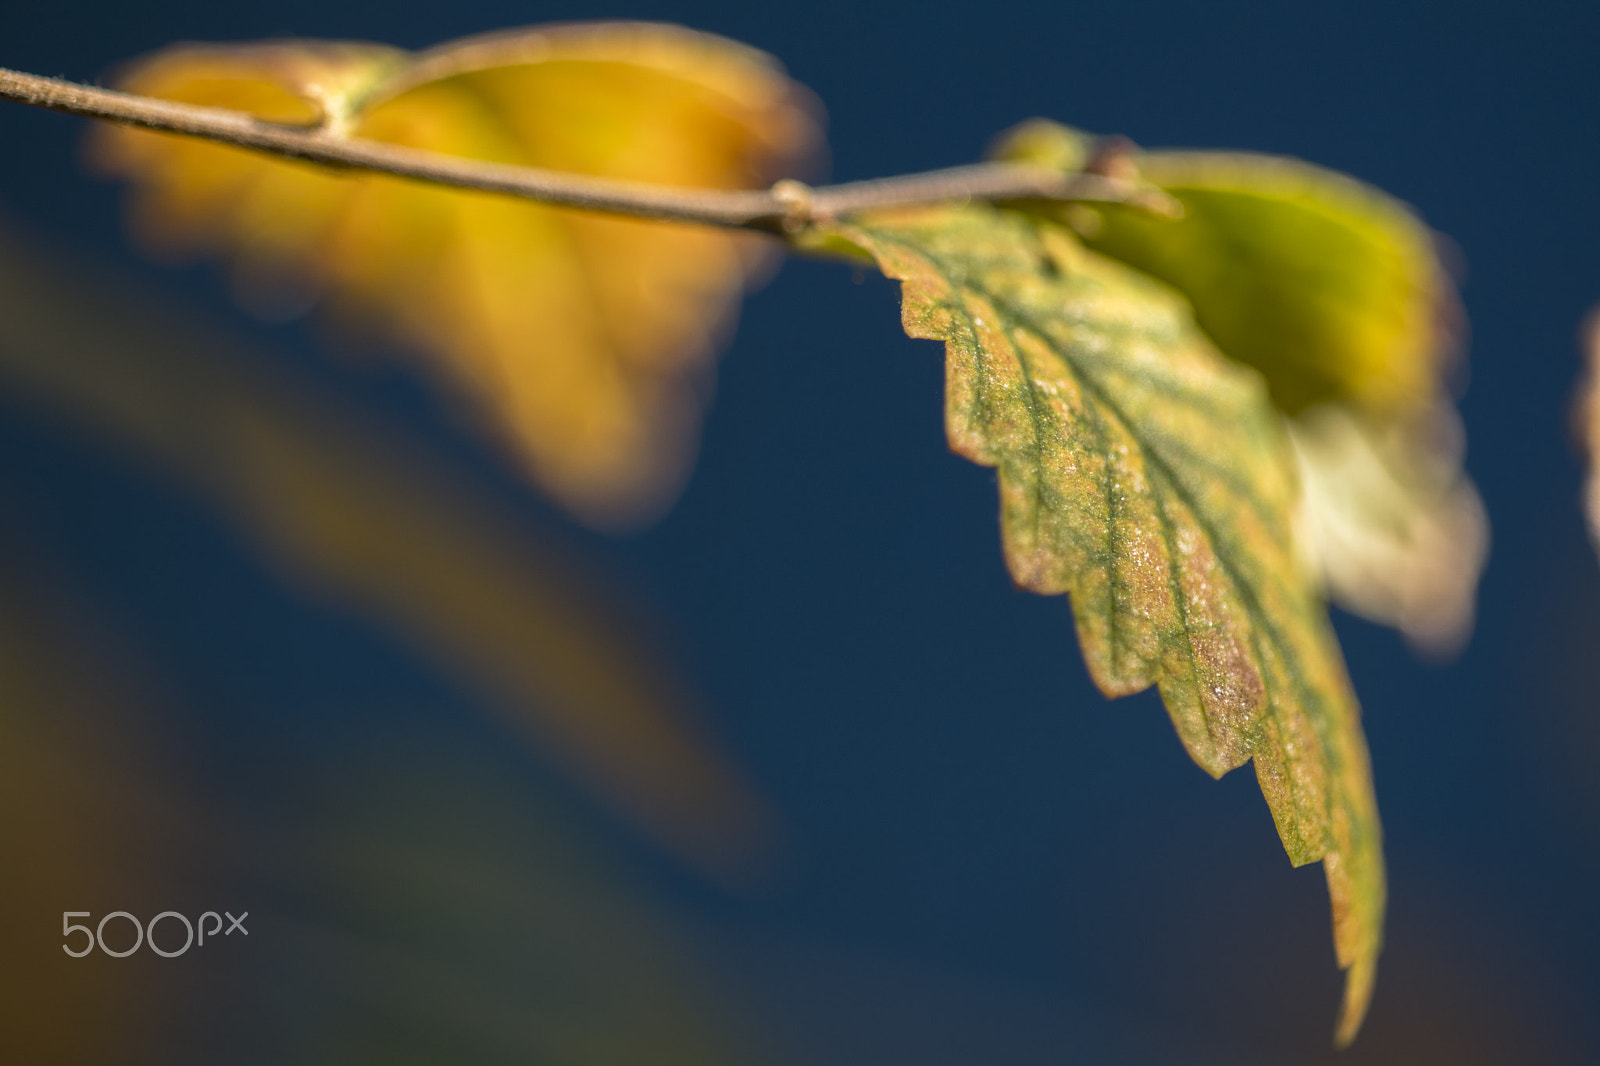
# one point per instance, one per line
(1329, 287)
(1150, 480)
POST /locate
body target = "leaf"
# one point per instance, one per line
(1149, 479)
(1329, 287)
(1586, 416)
(1336, 293)
(588, 338)
(362, 515)
(1390, 523)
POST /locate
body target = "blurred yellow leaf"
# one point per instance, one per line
(1587, 417)
(587, 338)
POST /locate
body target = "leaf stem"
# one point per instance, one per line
(785, 209)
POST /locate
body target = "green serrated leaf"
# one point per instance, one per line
(1149, 478)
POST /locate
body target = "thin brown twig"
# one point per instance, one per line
(787, 207)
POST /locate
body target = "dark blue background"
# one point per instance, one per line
(987, 861)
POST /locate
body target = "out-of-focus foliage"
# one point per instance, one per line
(451, 914)
(1390, 521)
(1149, 478)
(359, 514)
(588, 338)
(1587, 417)
(1336, 293)
(86, 825)
(409, 899)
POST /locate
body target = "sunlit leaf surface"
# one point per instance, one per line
(587, 338)
(1150, 479)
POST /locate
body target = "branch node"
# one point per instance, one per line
(1114, 157)
(795, 197)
